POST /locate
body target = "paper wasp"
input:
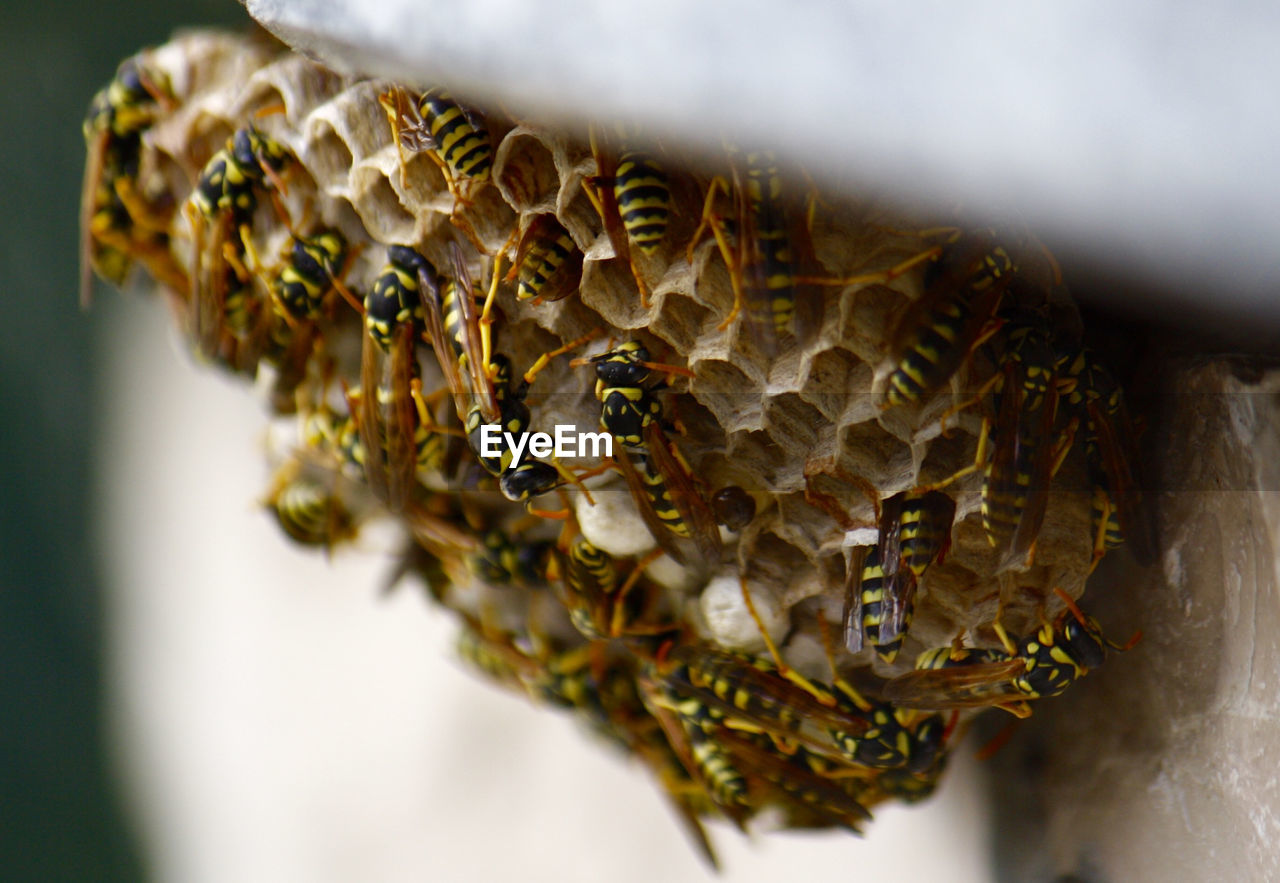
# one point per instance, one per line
(769, 254)
(117, 224)
(659, 480)
(754, 694)
(741, 770)
(915, 531)
(631, 193)
(1042, 664)
(454, 137)
(963, 289)
(244, 317)
(499, 560)
(485, 393)
(1111, 452)
(548, 263)
(310, 510)
(1021, 450)
(690, 728)
(398, 432)
(810, 781)
(313, 268)
(225, 198)
(601, 603)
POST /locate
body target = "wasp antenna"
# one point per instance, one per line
(1072, 606)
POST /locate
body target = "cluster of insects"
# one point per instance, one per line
(767, 381)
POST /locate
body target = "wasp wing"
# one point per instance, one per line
(963, 686)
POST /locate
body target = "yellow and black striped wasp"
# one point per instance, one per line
(754, 694)
(588, 588)
(769, 254)
(1042, 664)
(310, 509)
(501, 560)
(1027, 451)
(659, 480)
(963, 288)
(224, 199)
(531, 477)
(454, 137)
(299, 290)
(863, 604)
(314, 267)
(118, 226)
(231, 326)
(689, 727)
(228, 184)
(548, 264)
(601, 602)
(625, 383)
(486, 393)
(835, 722)
(1111, 452)
(915, 531)
(269, 319)
(398, 434)
(743, 770)
(632, 194)
(453, 326)
(1021, 450)
(798, 778)
(788, 718)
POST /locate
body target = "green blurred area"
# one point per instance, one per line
(61, 815)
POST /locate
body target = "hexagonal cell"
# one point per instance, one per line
(525, 172)
(419, 182)
(700, 433)
(834, 377)
(729, 394)
(260, 99)
(293, 82)
(485, 216)
(329, 160)
(758, 455)
(712, 287)
(350, 115)
(609, 289)
(575, 211)
(868, 319)
(792, 422)
(678, 321)
(773, 560)
(375, 202)
(807, 526)
(868, 451)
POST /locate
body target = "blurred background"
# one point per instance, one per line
(61, 812)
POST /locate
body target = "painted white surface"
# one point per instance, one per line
(1142, 133)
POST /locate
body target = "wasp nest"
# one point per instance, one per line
(791, 385)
